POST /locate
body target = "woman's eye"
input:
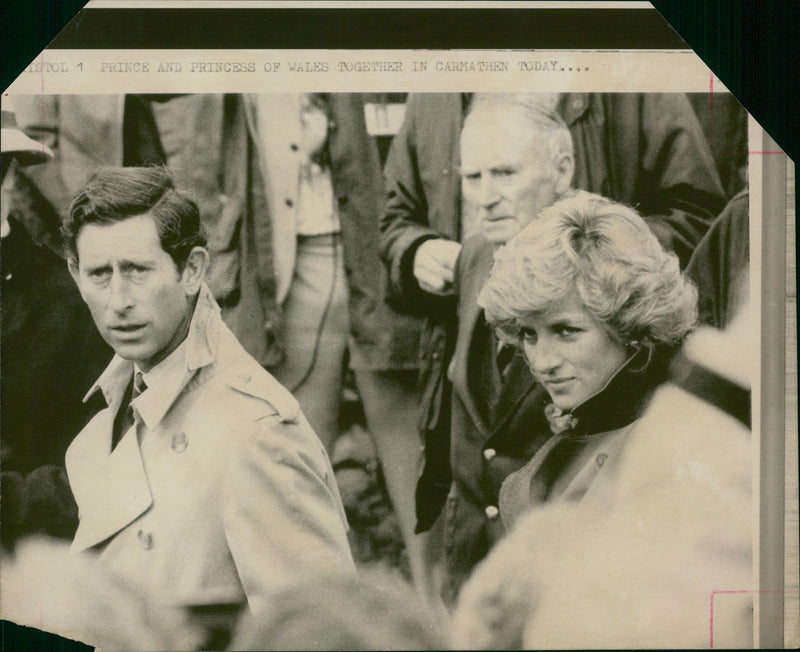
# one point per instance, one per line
(566, 331)
(528, 335)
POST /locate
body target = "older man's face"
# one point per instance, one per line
(505, 172)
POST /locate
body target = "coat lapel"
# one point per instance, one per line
(110, 487)
(474, 265)
(518, 382)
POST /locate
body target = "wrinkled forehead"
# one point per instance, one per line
(497, 118)
(496, 131)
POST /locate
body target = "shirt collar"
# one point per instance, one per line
(170, 376)
(164, 382)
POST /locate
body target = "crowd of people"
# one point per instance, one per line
(536, 295)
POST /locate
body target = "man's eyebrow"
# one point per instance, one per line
(89, 267)
(137, 262)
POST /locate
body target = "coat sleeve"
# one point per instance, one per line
(283, 516)
(404, 221)
(678, 187)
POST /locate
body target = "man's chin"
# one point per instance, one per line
(130, 351)
(498, 232)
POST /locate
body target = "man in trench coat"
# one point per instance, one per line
(202, 482)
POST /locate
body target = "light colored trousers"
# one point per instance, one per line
(316, 330)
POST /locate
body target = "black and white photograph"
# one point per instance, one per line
(367, 349)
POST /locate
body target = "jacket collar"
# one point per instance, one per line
(201, 343)
(622, 400)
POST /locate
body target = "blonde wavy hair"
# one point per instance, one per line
(605, 254)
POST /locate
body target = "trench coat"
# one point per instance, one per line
(220, 494)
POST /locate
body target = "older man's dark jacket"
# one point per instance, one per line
(497, 423)
(646, 150)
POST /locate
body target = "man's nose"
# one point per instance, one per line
(487, 191)
(120, 297)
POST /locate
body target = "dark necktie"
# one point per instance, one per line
(126, 417)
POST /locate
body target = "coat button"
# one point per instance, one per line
(294, 147)
(489, 454)
(289, 202)
(179, 442)
(145, 539)
(245, 378)
(492, 512)
(601, 459)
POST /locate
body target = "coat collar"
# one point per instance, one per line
(111, 487)
(623, 399)
(201, 343)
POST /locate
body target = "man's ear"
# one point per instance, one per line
(194, 272)
(565, 169)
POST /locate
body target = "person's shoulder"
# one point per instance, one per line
(249, 391)
(266, 416)
(250, 381)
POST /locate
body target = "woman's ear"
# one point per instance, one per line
(194, 272)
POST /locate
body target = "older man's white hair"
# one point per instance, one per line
(540, 111)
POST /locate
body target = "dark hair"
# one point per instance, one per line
(115, 194)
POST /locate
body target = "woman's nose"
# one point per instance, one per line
(542, 357)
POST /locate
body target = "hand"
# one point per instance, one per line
(434, 265)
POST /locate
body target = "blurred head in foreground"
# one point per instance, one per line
(344, 612)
